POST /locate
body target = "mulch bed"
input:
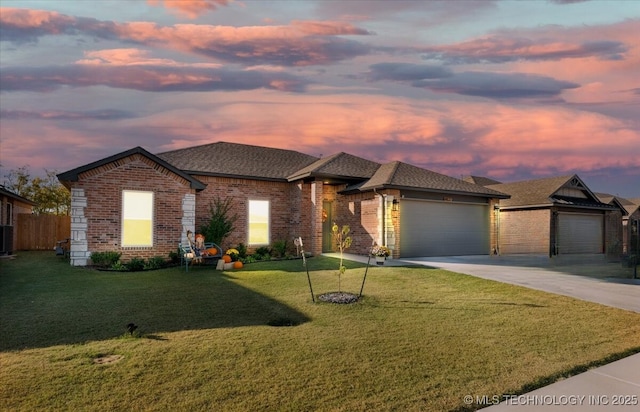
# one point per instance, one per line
(338, 297)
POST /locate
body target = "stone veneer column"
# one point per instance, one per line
(79, 251)
(188, 216)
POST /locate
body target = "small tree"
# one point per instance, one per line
(343, 241)
(221, 221)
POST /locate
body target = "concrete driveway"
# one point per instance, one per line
(588, 278)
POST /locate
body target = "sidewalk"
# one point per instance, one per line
(612, 387)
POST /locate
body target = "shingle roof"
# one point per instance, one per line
(342, 165)
(4, 191)
(542, 192)
(402, 175)
(630, 205)
(613, 200)
(72, 175)
(481, 180)
(531, 192)
(239, 160)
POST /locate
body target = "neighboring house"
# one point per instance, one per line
(11, 206)
(142, 204)
(557, 216)
(631, 225)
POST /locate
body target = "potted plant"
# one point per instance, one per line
(380, 253)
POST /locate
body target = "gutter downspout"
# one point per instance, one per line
(381, 222)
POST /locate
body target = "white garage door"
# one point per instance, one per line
(579, 233)
(443, 228)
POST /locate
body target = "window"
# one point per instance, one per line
(258, 222)
(137, 218)
(8, 221)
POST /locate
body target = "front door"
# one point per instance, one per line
(327, 222)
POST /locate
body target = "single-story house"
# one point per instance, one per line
(630, 217)
(630, 224)
(142, 204)
(11, 205)
(556, 216)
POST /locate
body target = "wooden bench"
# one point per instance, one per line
(188, 254)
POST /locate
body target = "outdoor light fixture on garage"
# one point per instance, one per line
(395, 205)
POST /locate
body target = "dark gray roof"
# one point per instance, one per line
(481, 180)
(339, 165)
(238, 160)
(542, 192)
(405, 176)
(72, 175)
(4, 191)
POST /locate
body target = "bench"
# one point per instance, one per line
(188, 254)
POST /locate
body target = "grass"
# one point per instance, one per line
(421, 339)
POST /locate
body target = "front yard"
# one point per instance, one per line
(421, 339)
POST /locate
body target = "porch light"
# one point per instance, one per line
(395, 205)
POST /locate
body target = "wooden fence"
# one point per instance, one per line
(41, 232)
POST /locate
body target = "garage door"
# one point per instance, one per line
(579, 233)
(443, 228)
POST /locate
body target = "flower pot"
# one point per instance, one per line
(380, 260)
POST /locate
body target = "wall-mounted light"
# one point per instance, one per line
(395, 205)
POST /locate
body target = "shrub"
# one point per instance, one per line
(220, 222)
(174, 256)
(105, 259)
(242, 250)
(155, 262)
(280, 248)
(119, 266)
(263, 250)
(136, 264)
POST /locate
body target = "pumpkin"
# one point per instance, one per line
(212, 251)
(237, 265)
(226, 258)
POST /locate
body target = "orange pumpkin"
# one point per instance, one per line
(237, 265)
(212, 251)
(226, 258)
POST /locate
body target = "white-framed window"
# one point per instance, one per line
(137, 218)
(259, 222)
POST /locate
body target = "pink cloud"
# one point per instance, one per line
(302, 43)
(190, 8)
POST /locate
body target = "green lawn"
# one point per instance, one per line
(421, 339)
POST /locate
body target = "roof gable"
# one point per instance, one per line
(560, 190)
(339, 165)
(72, 175)
(238, 160)
(612, 200)
(405, 176)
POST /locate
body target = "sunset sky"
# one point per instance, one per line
(511, 90)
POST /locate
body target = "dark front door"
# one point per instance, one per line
(327, 221)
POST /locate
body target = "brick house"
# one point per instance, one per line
(630, 224)
(630, 219)
(142, 204)
(556, 216)
(10, 206)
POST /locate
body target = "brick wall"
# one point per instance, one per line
(613, 234)
(103, 188)
(524, 231)
(290, 207)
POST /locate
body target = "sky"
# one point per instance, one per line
(512, 90)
